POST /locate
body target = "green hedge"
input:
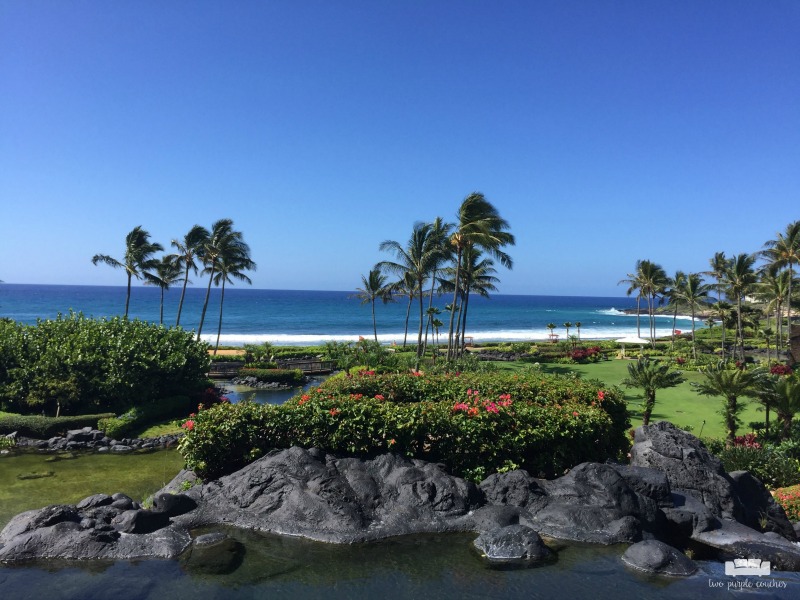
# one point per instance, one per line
(46, 427)
(290, 377)
(473, 431)
(138, 416)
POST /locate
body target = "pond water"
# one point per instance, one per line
(431, 566)
(238, 393)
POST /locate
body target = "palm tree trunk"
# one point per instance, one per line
(183, 293)
(161, 309)
(675, 320)
(128, 296)
(408, 314)
(430, 317)
(420, 348)
(453, 311)
(205, 304)
(219, 327)
(638, 314)
(694, 342)
(374, 322)
(464, 323)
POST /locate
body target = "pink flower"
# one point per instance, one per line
(492, 408)
(461, 406)
(575, 413)
(334, 411)
(188, 425)
(379, 397)
(601, 395)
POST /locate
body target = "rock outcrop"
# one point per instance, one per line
(674, 491)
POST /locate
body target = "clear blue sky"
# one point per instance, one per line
(603, 131)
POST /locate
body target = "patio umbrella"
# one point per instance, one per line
(631, 339)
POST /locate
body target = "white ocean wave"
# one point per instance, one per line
(396, 338)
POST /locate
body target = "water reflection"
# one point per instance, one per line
(239, 393)
(430, 566)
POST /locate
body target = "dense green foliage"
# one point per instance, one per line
(769, 464)
(290, 377)
(46, 427)
(80, 364)
(474, 424)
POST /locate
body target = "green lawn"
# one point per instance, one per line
(681, 405)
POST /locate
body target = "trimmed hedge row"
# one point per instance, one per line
(46, 427)
(290, 377)
(473, 433)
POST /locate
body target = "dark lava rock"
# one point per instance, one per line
(688, 465)
(759, 509)
(139, 521)
(95, 500)
(514, 544)
(653, 556)
(734, 539)
(173, 504)
(592, 503)
(343, 500)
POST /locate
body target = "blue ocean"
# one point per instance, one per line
(294, 317)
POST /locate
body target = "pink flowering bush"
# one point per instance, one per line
(474, 424)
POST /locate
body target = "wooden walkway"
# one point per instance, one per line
(227, 370)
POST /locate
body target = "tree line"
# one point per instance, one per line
(221, 252)
(766, 277)
(442, 258)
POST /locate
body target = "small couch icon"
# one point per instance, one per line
(747, 566)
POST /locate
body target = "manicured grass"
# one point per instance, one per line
(681, 405)
(157, 429)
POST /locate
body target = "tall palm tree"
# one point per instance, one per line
(673, 295)
(138, 257)
(784, 251)
(480, 225)
(740, 277)
(166, 272)
(731, 384)
(724, 312)
(694, 295)
(567, 325)
(190, 249)
(440, 238)
(653, 283)
(773, 289)
(374, 287)
(650, 375)
(477, 275)
(578, 327)
(719, 264)
(406, 286)
(416, 260)
(223, 240)
(232, 262)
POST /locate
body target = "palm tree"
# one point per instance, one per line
(719, 264)
(479, 225)
(784, 251)
(783, 395)
(166, 271)
(567, 325)
(673, 292)
(416, 260)
(653, 282)
(551, 327)
(650, 375)
(694, 294)
(731, 384)
(440, 238)
(189, 249)
(773, 289)
(138, 257)
(373, 287)
(578, 327)
(477, 275)
(634, 285)
(406, 286)
(222, 241)
(724, 312)
(740, 278)
(231, 263)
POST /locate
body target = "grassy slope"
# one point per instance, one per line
(680, 405)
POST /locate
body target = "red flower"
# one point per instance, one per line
(379, 397)
(334, 411)
(189, 425)
(601, 395)
(575, 413)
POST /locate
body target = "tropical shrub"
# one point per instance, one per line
(474, 424)
(771, 466)
(83, 364)
(789, 499)
(290, 377)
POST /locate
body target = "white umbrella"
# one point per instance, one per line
(631, 339)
